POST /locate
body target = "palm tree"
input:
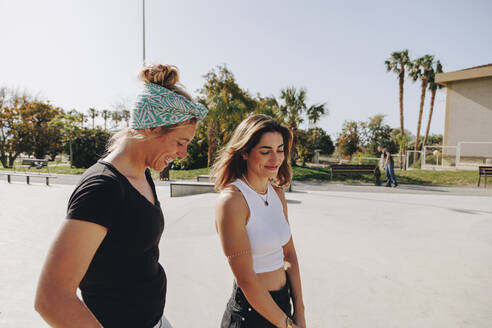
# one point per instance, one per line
(116, 117)
(228, 105)
(125, 114)
(433, 86)
(398, 62)
(292, 110)
(421, 68)
(105, 115)
(93, 113)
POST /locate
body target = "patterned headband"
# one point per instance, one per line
(158, 106)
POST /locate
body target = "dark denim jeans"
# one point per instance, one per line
(390, 175)
(240, 314)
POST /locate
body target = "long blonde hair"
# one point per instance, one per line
(230, 164)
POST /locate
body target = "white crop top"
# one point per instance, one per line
(267, 228)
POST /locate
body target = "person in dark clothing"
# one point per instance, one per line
(109, 244)
(390, 169)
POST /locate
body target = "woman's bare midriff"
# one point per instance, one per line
(273, 280)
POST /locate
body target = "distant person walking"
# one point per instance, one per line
(381, 158)
(109, 244)
(389, 164)
(251, 219)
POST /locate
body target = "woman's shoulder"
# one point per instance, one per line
(231, 199)
(230, 195)
(100, 179)
(231, 207)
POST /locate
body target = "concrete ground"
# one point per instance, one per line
(370, 256)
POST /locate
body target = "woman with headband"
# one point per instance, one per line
(251, 219)
(109, 244)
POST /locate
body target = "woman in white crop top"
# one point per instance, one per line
(251, 219)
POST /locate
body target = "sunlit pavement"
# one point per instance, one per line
(370, 256)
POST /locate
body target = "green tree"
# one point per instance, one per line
(106, 114)
(310, 140)
(268, 106)
(348, 141)
(45, 140)
(294, 108)
(121, 111)
(321, 140)
(375, 133)
(228, 105)
(421, 68)
(24, 128)
(68, 125)
(125, 114)
(93, 113)
(398, 62)
(402, 141)
(117, 118)
(433, 86)
(197, 151)
(434, 139)
(13, 130)
(88, 146)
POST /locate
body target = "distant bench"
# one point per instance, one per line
(186, 188)
(28, 176)
(348, 169)
(34, 162)
(484, 171)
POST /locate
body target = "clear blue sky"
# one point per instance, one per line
(81, 54)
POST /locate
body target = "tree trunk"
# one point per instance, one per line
(402, 121)
(419, 123)
(3, 160)
(71, 152)
(12, 158)
(3, 156)
(293, 152)
(212, 139)
(433, 97)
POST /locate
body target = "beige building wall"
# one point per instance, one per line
(469, 116)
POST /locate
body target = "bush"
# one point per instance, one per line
(310, 140)
(88, 147)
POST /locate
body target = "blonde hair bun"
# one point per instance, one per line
(163, 75)
(166, 76)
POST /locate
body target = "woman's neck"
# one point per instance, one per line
(259, 184)
(128, 159)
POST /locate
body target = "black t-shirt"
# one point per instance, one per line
(124, 286)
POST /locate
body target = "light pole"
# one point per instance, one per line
(143, 31)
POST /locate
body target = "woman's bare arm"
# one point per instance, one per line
(67, 262)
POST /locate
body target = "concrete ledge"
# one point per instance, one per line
(186, 188)
(204, 178)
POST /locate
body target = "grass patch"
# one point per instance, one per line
(444, 178)
(58, 169)
(415, 177)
